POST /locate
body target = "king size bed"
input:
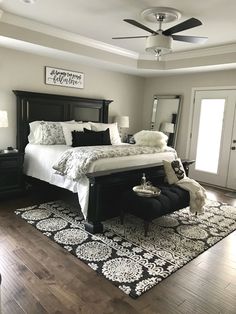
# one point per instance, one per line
(101, 187)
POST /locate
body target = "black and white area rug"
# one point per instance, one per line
(122, 254)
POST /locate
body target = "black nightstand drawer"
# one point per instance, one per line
(9, 180)
(11, 176)
(11, 162)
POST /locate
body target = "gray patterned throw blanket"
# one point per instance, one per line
(75, 162)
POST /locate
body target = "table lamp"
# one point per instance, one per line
(3, 119)
(123, 123)
(167, 127)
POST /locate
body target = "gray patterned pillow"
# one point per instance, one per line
(51, 133)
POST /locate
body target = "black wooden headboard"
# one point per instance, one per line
(33, 106)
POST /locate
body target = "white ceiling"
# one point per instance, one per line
(83, 30)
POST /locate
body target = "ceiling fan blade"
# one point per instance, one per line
(139, 25)
(129, 37)
(190, 23)
(190, 39)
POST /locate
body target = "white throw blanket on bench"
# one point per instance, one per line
(197, 194)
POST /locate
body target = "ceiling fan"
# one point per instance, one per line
(160, 40)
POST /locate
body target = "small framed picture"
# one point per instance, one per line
(65, 78)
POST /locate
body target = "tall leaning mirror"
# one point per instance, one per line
(165, 116)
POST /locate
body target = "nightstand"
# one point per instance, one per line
(11, 173)
(186, 163)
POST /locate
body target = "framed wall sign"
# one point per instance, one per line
(65, 78)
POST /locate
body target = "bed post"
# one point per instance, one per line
(93, 223)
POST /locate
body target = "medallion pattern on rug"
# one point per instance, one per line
(122, 253)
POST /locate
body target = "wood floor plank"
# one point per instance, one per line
(9, 305)
(204, 292)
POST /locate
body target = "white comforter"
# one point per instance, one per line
(74, 163)
(39, 160)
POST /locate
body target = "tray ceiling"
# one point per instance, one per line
(83, 30)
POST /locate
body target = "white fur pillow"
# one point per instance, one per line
(151, 138)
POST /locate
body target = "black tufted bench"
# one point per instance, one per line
(171, 199)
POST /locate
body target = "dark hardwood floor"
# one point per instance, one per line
(38, 276)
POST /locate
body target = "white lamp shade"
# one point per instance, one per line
(167, 127)
(122, 121)
(3, 119)
(158, 42)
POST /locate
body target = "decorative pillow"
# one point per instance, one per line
(151, 138)
(102, 136)
(174, 170)
(51, 133)
(75, 138)
(87, 139)
(113, 128)
(69, 127)
(34, 135)
(47, 132)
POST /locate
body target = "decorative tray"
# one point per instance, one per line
(146, 191)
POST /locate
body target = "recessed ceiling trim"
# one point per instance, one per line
(204, 52)
(41, 39)
(53, 31)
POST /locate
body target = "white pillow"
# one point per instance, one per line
(36, 134)
(113, 129)
(151, 138)
(69, 127)
(174, 170)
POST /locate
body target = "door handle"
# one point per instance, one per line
(233, 148)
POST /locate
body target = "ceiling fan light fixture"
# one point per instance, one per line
(158, 44)
(152, 14)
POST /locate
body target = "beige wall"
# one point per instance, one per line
(132, 95)
(183, 85)
(25, 71)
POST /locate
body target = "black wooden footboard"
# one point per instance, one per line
(106, 190)
(107, 187)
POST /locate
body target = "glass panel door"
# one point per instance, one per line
(210, 134)
(212, 126)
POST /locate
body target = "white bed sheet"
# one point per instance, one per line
(39, 160)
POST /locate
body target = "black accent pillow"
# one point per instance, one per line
(104, 136)
(75, 138)
(90, 139)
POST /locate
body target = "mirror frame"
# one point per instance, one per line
(155, 111)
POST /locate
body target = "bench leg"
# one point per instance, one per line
(146, 225)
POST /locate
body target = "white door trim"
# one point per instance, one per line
(190, 122)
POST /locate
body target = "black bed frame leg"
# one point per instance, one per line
(146, 227)
(94, 227)
(122, 215)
